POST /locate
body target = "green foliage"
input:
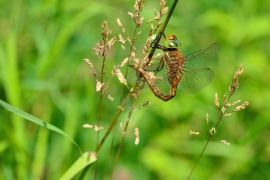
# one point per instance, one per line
(43, 45)
(36, 121)
(86, 159)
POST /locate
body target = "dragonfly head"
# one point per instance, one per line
(172, 42)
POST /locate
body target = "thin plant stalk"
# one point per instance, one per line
(121, 143)
(222, 114)
(161, 32)
(111, 126)
(100, 103)
(149, 59)
(122, 92)
(120, 102)
(103, 140)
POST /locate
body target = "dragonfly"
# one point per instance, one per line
(188, 74)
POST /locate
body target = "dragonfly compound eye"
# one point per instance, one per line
(172, 43)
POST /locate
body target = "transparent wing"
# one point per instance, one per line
(203, 57)
(195, 79)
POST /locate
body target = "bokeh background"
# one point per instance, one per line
(43, 45)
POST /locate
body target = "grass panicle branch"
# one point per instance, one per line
(102, 49)
(223, 114)
(235, 82)
(138, 6)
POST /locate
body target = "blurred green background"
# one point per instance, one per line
(43, 45)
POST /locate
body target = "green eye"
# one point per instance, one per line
(172, 43)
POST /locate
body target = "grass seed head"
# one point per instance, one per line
(136, 131)
(235, 80)
(207, 118)
(243, 106)
(225, 142)
(193, 132)
(216, 100)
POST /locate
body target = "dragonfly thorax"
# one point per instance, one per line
(174, 61)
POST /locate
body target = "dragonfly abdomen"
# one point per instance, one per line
(152, 86)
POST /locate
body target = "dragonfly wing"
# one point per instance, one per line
(203, 57)
(195, 79)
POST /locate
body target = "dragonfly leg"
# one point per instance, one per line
(155, 44)
(160, 65)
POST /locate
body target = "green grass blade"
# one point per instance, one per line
(83, 161)
(37, 121)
